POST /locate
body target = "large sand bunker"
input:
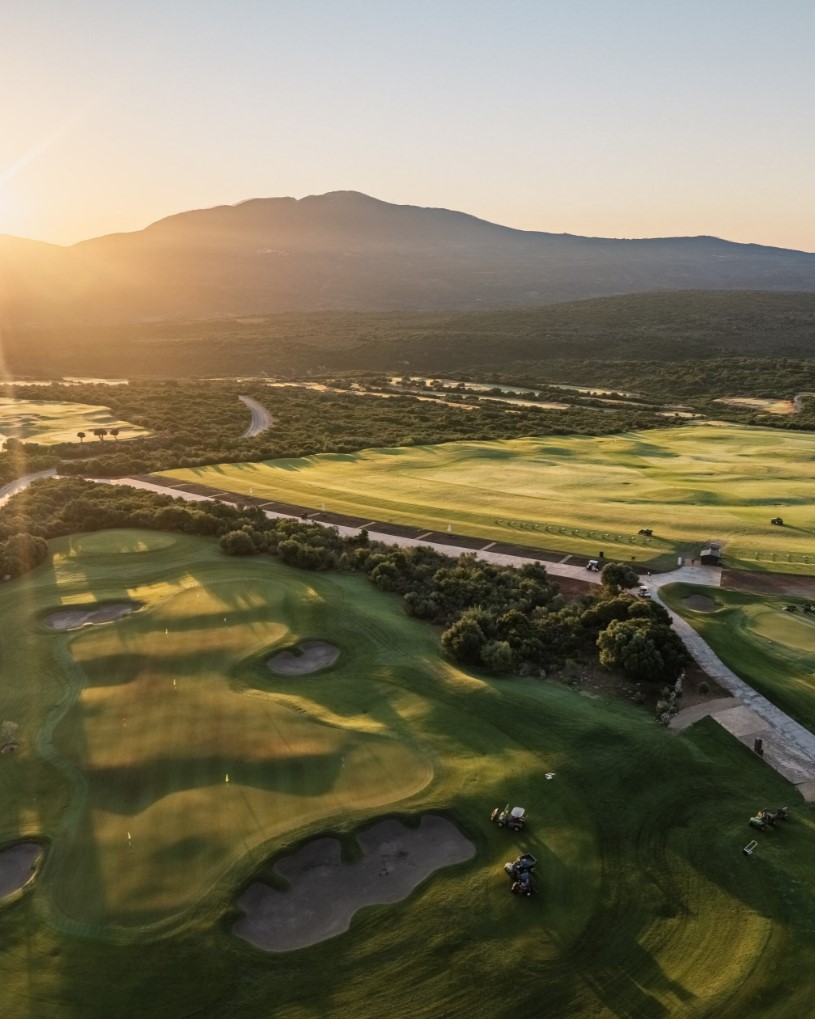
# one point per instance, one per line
(700, 602)
(325, 892)
(308, 656)
(17, 866)
(81, 615)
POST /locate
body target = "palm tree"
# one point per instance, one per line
(81, 436)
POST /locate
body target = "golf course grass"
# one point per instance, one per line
(645, 905)
(580, 494)
(48, 423)
(770, 648)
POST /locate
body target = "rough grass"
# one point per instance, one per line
(773, 650)
(49, 423)
(646, 906)
(579, 494)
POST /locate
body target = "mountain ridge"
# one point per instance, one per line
(348, 251)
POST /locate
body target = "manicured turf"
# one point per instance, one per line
(576, 493)
(773, 650)
(646, 906)
(47, 423)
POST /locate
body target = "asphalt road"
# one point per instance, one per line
(261, 421)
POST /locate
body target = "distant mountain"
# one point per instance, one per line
(346, 251)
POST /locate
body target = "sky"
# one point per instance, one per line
(619, 118)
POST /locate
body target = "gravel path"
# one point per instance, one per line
(261, 421)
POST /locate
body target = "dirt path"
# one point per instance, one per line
(261, 421)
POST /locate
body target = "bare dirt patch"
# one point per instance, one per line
(700, 603)
(82, 615)
(326, 893)
(18, 865)
(308, 656)
(749, 582)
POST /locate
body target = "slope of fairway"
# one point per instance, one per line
(576, 493)
(48, 423)
(186, 769)
(645, 905)
(770, 648)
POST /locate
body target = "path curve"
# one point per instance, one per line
(261, 421)
(13, 487)
(789, 746)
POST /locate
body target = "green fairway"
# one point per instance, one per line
(48, 423)
(645, 906)
(773, 650)
(578, 494)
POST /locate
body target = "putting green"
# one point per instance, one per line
(578, 494)
(770, 648)
(49, 423)
(645, 904)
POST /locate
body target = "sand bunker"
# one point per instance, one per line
(325, 892)
(310, 656)
(700, 602)
(81, 615)
(17, 866)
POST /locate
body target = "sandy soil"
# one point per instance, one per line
(700, 602)
(325, 892)
(81, 615)
(17, 865)
(316, 655)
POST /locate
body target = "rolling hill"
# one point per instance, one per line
(344, 251)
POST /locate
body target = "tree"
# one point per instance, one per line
(618, 577)
(497, 656)
(238, 543)
(627, 645)
(100, 433)
(81, 436)
(115, 433)
(465, 639)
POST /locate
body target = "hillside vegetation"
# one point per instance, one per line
(665, 327)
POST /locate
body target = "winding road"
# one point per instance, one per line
(261, 421)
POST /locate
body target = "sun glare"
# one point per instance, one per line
(6, 210)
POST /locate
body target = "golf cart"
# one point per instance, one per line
(593, 566)
(765, 819)
(520, 871)
(514, 819)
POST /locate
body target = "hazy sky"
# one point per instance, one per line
(622, 118)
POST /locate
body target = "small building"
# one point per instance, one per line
(711, 556)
